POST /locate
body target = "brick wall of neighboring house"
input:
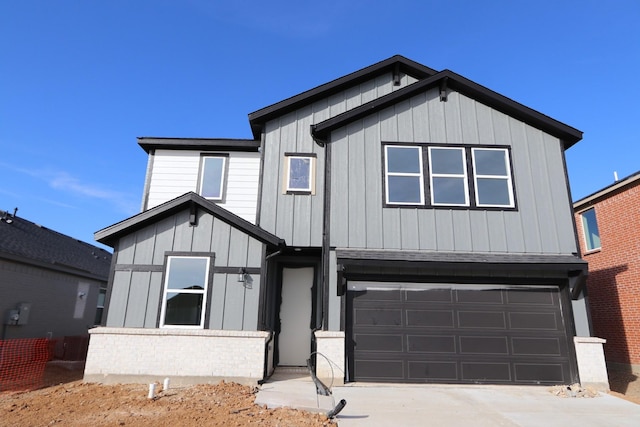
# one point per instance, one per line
(614, 272)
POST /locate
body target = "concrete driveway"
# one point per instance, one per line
(399, 405)
(420, 405)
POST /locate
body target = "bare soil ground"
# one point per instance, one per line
(65, 400)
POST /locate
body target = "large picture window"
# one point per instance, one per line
(590, 229)
(212, 175)
(185, 291)
(451, 176)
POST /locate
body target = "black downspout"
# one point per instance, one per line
(326, 248)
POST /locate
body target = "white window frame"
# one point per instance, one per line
(584, 230)
(167, 290)
(419, 175)
(506, 177)
(311, 178)
(222, 177)
(464, 176)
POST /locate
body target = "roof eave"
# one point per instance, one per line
(258, 118)
(111, 234)
(153, 143)
(567, 134)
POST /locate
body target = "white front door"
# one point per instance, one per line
(294, 341)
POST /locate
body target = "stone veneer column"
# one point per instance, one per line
(330, 363)
(591, 364)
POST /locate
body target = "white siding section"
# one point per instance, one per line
(176, 172)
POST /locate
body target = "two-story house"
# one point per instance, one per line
(608, 223)
(408, 224)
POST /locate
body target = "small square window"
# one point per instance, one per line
(590, 229)
(299, 174)
(212, 177)
(185, 291)
(403, 173)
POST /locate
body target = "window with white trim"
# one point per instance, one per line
(185, 291)
(422, 175)
(212, 174)
(448, 176)
(299, 173)
(590, 229)
(403, 171)
(492, 177)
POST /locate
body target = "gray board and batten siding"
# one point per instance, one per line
(541, 224)
(298, 218)
(136, 292)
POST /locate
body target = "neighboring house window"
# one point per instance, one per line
(451, 176)
(403, 171)
(492, 177)
(102, 295)
(212, 175)
(590, 227)
(185, 291)
(299, 177)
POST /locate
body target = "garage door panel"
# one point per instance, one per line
(542, 372)
(484, 345)
(434, 295)
(493, 296)
(535, 321)
(448, 336)
(421, 371)
(431, 344)
(379, 342)
(486, 372)
(430, 318)
(533, 346)
(378, 317)
(380, 370)
(482, 319)
(536, 297)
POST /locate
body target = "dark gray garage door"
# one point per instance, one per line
(457, 334)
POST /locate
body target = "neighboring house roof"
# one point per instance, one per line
(110, 235)
(448, 79)
(396, 64)
(620, 184)
(24, 241)
(153, 143)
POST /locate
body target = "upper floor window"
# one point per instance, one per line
(492, 175)
(590, 229)
(299, 177)
(404, 182)
(185, 290)
(453, 176)
(212, 174)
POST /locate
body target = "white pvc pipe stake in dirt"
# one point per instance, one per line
(152, 390)
(165, 384)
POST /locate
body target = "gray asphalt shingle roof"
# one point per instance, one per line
(27, 241)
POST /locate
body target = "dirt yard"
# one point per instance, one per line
(73, 403)
(65, 400)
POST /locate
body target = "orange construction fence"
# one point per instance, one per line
(22, 363)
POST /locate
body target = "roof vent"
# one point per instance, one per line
(6, 217)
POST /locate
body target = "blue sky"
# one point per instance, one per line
(80, 80)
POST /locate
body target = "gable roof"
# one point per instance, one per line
(111, 234)
(608, 190)
(149, 143)
(395, 64)
(24, 241)
(448, 79)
